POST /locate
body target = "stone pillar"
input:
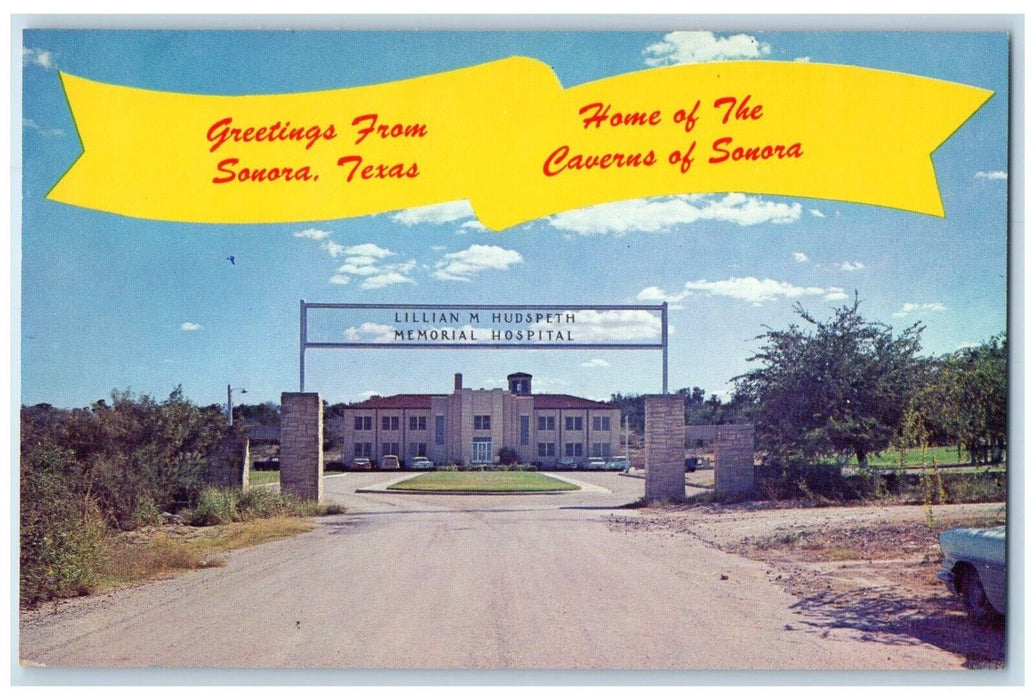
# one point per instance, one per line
(229, 463)
(735, 461)
(664, 436)
(301, 445)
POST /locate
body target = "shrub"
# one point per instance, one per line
(61, 534)
(508, 455)
(818, 482)
(215, 506)
(147, 513)
(794, 479)
(218, 506)
(135, 456)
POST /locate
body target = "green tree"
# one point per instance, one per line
(133, 456)
(839, 386)
(964, 400)
(632, 408)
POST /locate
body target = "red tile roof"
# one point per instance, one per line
(566, 401)
(541, 402)
(399, 401)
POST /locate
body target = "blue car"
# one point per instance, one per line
(974, 569)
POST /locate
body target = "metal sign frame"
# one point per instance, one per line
(305, 344)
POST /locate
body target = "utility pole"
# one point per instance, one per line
(230, 403)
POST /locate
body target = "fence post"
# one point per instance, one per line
(301, 445)
(735, 461)
(664, 437)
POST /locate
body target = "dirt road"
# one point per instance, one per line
(469, 582)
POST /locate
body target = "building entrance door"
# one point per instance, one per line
(481, 450)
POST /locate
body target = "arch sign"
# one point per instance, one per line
(480, 327)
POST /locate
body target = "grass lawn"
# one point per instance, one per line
(257, 478)
(487, 482)
(942, 456)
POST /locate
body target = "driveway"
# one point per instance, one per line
(466, 582)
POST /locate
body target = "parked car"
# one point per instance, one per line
(390, 462)
(618, 464)
(974, 568)
(567, 463)
(361, 463)
(422, 464)
(596, 463)
(691, 463)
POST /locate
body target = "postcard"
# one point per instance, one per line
(543, 347)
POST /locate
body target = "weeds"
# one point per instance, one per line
(218, 506)
(145, 555)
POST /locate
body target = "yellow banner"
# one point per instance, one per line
(506, 136)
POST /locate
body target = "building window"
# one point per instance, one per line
(418, 423)
(418, 449)
(440, 430)
(573, 423)
(389, 422)
(390, 448)
(547, 449)
(547, 423)
(601, 449)
(362, 449)
(364, 423)
(482, 423)
(602, 423)
(523, 429)
(573, 449)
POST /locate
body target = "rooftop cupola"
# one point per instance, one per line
(520, 383)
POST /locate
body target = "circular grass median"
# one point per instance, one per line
(483, 482)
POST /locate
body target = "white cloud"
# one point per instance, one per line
(190, 327)
(38, 57)
(370, 250)
(313, 234)
(700, 47)
(596, 362)
(33, 126)
(366, 260)
(663, 213)
(657, 294)
(370, 333)
(802, 59)
(755, 291)
(851, 266)
(800, 257)
(386, 278)
(555, 383)
(434, 214)
(333, 249)
(991, 175)
(616, 326)
(911, 308)
(749, 289)
(465, 264)
(817, 213)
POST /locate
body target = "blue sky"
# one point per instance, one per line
(110, 302)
